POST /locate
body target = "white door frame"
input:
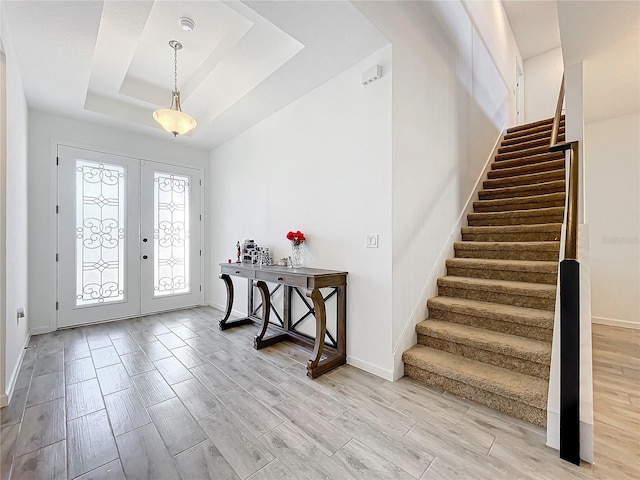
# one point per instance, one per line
(53, 245)
(519, 93)
(4, 399)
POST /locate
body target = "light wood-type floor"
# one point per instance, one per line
(169, 396)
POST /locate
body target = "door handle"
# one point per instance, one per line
(145, 257)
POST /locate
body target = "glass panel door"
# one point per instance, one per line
(171, 254)
(98, 272)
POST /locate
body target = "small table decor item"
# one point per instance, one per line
(297, 239)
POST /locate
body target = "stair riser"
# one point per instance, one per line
(506, 405)
(525, 191)
(544, 256)
(505, 361)
(526, 169)
(518, 137)
(512, 237)
(544, 137)
(512, 328)
(519, 180)
(514, 220)
(543, 142)
(531, 277)
(479, 207)
(521, 153)
(506, 298)
(525, 161)
(547, 122)
(531, 130)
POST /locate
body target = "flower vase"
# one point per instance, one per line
(297, 260)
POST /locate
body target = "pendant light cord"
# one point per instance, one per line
(175, 68)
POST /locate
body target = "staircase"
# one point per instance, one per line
(488, 335)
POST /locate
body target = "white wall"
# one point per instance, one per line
(321, 165)
(612, 192)
(15, 230)
(45, 131)
(543, 76)
(454, 74)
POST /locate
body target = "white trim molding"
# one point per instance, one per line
(616, 322)
(14, 375)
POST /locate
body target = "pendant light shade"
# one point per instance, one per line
(173, 119)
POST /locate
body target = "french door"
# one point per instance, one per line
(128, 237)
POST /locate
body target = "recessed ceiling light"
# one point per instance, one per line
(187, 24)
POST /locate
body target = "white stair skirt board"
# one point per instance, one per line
(430, 289)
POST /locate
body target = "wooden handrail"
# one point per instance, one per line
(571, 244)
(556, 118)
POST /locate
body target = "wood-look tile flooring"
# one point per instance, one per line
(170, 396)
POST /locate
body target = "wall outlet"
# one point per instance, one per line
(372, 240)
(20, 315)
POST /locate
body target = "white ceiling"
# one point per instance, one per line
(534, 24)
(109, 61)
(605, 35)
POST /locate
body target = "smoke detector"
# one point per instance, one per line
(187, 24)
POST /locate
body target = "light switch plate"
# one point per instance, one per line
(372, 240)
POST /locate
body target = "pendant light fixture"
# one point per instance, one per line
(173, 119)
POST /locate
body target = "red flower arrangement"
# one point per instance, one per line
(296, 237)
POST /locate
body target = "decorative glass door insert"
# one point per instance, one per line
(171, 231)
(100, 233)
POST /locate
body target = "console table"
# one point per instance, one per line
(307, 282)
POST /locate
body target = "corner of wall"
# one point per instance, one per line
(11, 383)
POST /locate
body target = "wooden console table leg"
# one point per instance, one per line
(266, 310)
(229, 284)
(321, 330)
(342, 322)
(225, 324)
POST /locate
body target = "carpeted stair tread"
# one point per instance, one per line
(499, 264)
(517, 217)
(521, 153)
(534, 250)
(544, 122)
(522, 190)
(501, 286)
(499, 381)
(526, 169)
(543, 129)
(526, 179)
(496, 342)
(518, 162)
(541, 142)
(508, 233)
(520, 203)
(546, 136)
(495, 311)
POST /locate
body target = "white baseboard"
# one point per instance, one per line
(356, 362)
(408, 336)
(223, 308)
(370, 367)
(615, 322)
(41, 330)
(11, 384)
